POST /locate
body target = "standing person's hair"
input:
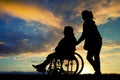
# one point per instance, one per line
(86, 15)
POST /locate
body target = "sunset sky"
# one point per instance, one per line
(31, 29)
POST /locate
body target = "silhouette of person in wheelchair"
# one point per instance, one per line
(64, 50)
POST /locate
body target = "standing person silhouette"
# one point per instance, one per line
(93, 40)
(65, 49)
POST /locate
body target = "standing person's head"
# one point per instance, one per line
(87, 15)
(68, 31)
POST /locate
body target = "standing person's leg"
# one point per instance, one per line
(90, 58)
(97, 63)
(97, 59)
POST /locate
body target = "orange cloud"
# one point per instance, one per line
(103, 13)
(30, 12)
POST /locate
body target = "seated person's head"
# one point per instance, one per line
(68, 31)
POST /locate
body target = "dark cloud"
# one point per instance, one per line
(17, 36)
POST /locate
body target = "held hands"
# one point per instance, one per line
(77, 42)
(80, 40)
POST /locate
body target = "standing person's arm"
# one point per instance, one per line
(82, 36)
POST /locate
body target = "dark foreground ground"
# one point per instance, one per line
(59, 77)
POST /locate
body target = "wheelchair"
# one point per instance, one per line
(71, 65)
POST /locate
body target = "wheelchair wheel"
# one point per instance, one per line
(70, 66)
(66, 67)
(80, 63)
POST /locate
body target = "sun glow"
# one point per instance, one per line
(86, 70)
